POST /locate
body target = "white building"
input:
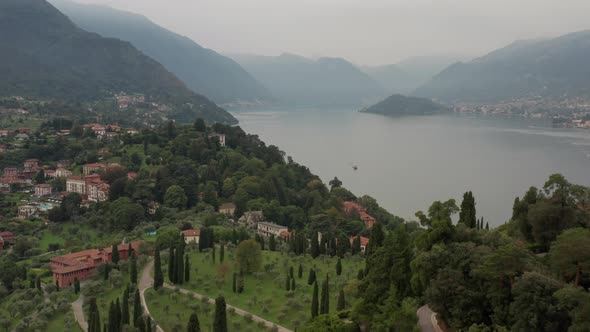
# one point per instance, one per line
(269, 228)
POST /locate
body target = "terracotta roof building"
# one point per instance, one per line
(191, 235)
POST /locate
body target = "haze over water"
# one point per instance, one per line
(406, 163)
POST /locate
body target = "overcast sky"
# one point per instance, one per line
(363, 31)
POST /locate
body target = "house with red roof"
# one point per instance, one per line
(8, 237)
(92, 168)
(81, 265)
(352, 207)
(191, 235)
(364, 242)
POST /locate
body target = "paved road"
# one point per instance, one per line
(427, 319)
(146, 281)
(78, 309)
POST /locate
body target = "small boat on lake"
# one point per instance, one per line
(355, 167)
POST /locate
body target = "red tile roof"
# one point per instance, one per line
(191, 232)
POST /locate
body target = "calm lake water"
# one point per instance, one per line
(407, 163)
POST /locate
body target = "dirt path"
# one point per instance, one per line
(427, 319)
(239, 311)
(78, 309)
(146, 281)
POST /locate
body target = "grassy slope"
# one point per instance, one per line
(264, 293)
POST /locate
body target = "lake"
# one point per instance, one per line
(406, 163)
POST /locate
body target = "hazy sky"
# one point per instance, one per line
(363, 31)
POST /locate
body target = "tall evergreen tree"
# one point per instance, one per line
(235, 282)
(341, 301)
(291, 271)
(221, 253)
(107, 270)
(137, 310)
(325, 298)
(115, 254)
(288, 283)
(356, 246)
(171, 267)
(112, 319)
(300, 271)
(376, 239)
(140, 325)
(311, 279)
(179, 266)
(148, 324)
(187, 269)
(272, 243)
(125, 309)
(240, 284)
(158, 275)
(133, 268)
(338, 267)
(118, 314)
(93, 317)
(315, 246)
(292, 284)
(314, 301)
(76, 286)
(220, 319)
(193, 324)
(467, 215)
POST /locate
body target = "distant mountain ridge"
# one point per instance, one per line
(203, 70)
(407, 75)
(43, 54)
(550, 68)
(398, 105)
(297, 80)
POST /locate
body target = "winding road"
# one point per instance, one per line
(427, 320)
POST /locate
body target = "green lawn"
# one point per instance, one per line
(70, 235)
(63, 322)
(172, 311)
(265, 292)
(20, 121)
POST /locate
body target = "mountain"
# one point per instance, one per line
(408, 74)
(44, 55)
(549, 68)
(203, 70)
(296, 80)
(403, 105)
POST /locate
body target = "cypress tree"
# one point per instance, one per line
(187, 269)
(291, 271)
(148, 324)
(356, 245)
(107, 269)
(272, 244)
(179, 266)
(140, 325)
(76, 286)
(57, 286)
(115, 254)
(240, 282)
(137, 310)
(234, 283)
(112, 318)
(220, 319)
(158, 276)
(133, 268)
(32, 282)
(315, 247)
(487, 227)
(341, 301)
(467, 215)
(325, 298)
(338, 267)
(221, 253)
(288, 283)
(377, 238)
(38, 282)
(193, 324)
(314, 301)
(311, 278)
(300, 272)
(93, 317)
(292, 283)
(323, 245)
(118, 315)
(171, 270)
(125, 308)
